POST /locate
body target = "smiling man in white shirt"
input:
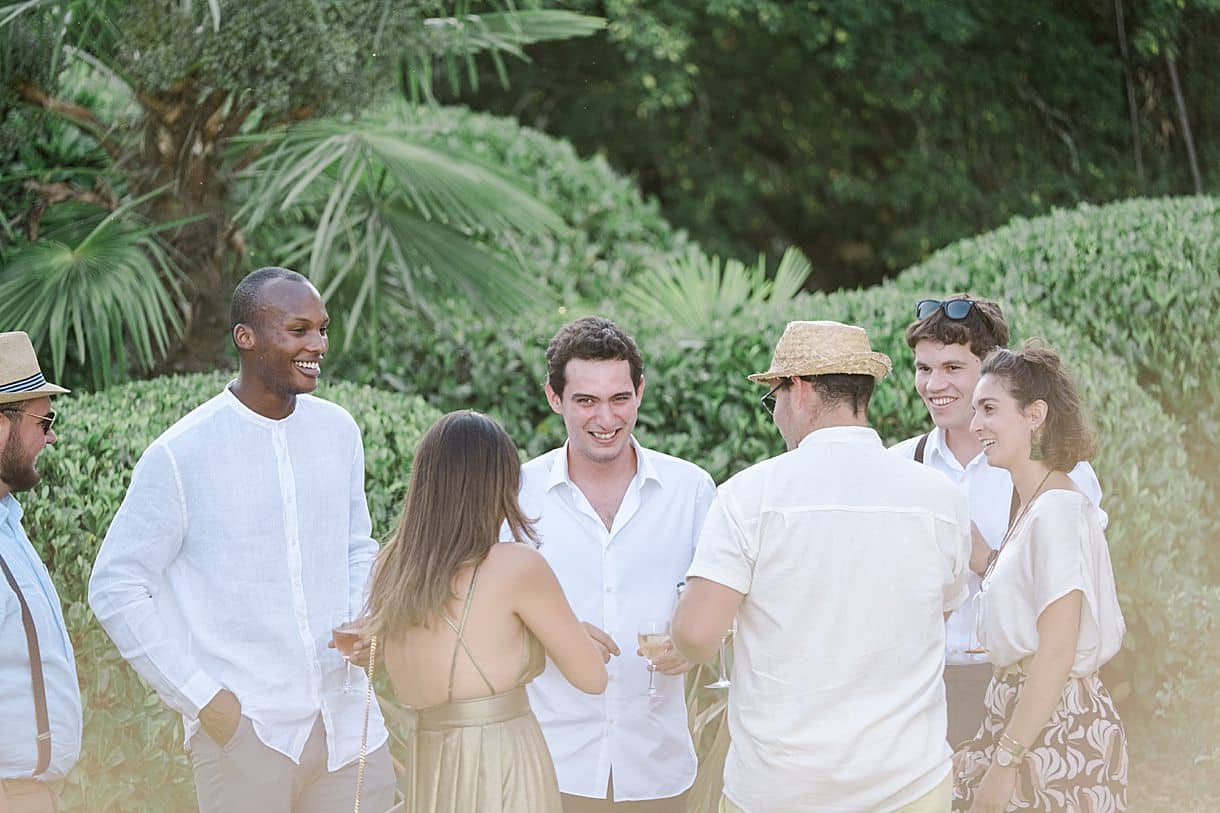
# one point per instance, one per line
(839, 562)
(950, 338)
(618, 524)
(244, 539)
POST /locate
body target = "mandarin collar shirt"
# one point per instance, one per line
(616, 579)
(989, 489)
(848, 558)
(242, 541)
(19, 734)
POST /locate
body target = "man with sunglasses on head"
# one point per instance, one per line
(950, 338)
(40, 709)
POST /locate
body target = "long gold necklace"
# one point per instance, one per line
(978, 617)
(1013, 526)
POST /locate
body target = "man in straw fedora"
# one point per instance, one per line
(40, 707)
(840, 562)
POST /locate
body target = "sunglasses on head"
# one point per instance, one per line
(955, 309)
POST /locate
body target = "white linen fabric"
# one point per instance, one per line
(1057, 547)
(241, 543)
(18, 735)
(616, 579)
(848, 557)
(990, 491)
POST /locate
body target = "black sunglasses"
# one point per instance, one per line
(955, 309)
(47, 420)
(768, 400)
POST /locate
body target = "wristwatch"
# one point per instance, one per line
(1005, 758)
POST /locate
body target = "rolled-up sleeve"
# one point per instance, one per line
(144, 538)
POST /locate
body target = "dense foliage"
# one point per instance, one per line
(188, 131)
(870, 134)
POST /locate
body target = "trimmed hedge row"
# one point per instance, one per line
(132, 757)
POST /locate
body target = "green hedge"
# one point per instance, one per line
(132, 757)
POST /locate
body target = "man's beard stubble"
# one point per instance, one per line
(17, 472)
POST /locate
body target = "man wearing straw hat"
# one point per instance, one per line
(39, 694)
(839, 562)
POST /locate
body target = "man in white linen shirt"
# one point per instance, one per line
(840, 562)
(950, 339)
(39, 693)
(243, 540)
(618, 524)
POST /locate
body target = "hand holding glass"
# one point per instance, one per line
(346, 636)
(654, 641)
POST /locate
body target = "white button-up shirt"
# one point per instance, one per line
(19, 732)
(616, 579)
(989, 489)
(848, 558)
(241, 543)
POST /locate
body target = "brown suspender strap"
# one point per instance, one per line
(36, 679)
(1013, 505)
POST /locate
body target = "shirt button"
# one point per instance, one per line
(609, 589)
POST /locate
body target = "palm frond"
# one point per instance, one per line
(97, 287)
(698, 293)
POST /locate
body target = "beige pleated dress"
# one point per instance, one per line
(486, 754)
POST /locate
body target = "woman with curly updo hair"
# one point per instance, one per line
(1051, 739)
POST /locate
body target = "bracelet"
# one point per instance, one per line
(1010, 745)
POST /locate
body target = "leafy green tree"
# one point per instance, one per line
(870, 134)
(184, 128)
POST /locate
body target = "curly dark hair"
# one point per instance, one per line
(591, 339)
(983, 329)
(1036, 373)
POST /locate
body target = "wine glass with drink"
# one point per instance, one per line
(654, 641)
(346, 636)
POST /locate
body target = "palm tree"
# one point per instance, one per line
(158, 140)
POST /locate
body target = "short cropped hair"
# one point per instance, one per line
(1036, 373)
(983, 329)
(247, 296)
(591, 339)
(844, 388)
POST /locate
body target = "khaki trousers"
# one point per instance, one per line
(938, 801)
(27, 796)
(245, 776)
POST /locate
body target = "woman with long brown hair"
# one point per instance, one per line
(466, 623)
(1051, 738)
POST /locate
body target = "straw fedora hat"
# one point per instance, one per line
(21, 378)
(824, 348)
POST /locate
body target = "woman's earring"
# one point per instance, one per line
(1035, 444)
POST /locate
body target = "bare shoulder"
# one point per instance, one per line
(517, 559)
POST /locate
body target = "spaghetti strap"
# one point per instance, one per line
(459, 629)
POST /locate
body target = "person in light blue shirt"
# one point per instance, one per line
(40, 708)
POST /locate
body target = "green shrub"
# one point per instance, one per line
(132, 757)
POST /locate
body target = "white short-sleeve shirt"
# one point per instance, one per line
(848, 557)
(989, 489)
(1056, 548)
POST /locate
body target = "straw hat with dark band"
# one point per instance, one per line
(21, 378)
(824, 348)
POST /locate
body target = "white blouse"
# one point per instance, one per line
(1056, 548)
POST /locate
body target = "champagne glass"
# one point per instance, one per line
(654, 640)
(722, 681)
(346, 636)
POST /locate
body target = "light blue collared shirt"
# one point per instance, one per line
(18, 728)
